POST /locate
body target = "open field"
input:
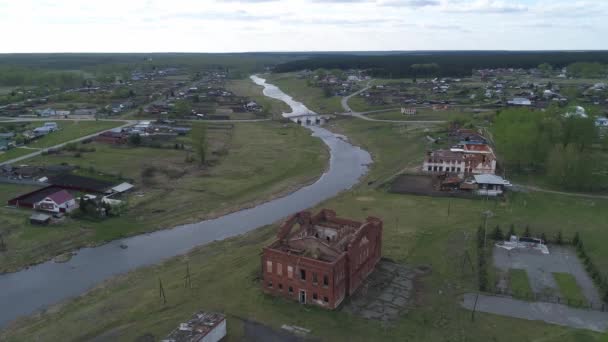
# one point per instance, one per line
(252, 163)
(417, 231)
(312, 97)
(569, 289)
(423, 114)
(70, 130)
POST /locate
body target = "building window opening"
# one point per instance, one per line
(269, 266)
(326, 300)
(270, 284)
(314, 296)
(302, 274)
(315, 281)
(325, 280)
(290, 290)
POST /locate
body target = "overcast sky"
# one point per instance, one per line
(300, 25)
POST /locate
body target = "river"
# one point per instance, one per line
(27, 291)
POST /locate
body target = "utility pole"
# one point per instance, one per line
(161, 291)
(188, 282)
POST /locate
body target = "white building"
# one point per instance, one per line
(58, 202)
(520, 101)
(490, 185)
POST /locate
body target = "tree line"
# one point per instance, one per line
(560, 146)
(437, 64)
(11, 76)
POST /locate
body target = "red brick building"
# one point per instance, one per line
(321, 259)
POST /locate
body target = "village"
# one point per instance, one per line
(186, 147)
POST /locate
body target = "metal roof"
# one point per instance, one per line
(491, 179)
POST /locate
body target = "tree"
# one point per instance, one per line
(498, 235)
(182, 108)
(135, 139)
(576, 240)
(545, 69)
(527, 232)
(570, 168)
(511, 231)
(199, 141)
(480, 237)
(559, 239)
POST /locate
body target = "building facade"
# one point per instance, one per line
(321, 259)
(463, 159)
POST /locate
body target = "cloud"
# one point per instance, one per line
(410, 3)
(484, 6)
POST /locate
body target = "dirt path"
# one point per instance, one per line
(573, 194)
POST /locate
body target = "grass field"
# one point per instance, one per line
(423, 114)
(14, 153)
(569, 289)
(519, 283)
(358, 104)
(70, 130)
(261, 161)
(417, 230)
(312, 97)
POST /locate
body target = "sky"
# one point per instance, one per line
(301, 25)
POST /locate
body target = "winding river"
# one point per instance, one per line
(25, 292)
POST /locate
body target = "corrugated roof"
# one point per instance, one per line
(490, 179)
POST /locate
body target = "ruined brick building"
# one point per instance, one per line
(321, 259)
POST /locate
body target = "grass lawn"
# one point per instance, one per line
(70, 130)
(519, 283)
(422, 115)
(569, 289)
(358, 104)
(247, 88)
(417, 231)
(312, 97)
(250, 163)
(14, 153)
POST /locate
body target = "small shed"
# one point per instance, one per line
(40, 219)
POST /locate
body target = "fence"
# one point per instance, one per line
(548, 298)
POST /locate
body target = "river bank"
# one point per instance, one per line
(38, 287)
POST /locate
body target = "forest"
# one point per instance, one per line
(440, 64)
(565, 149)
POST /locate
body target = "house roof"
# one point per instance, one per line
(60, 197)
(36, 196)
(69, 181)
(39, 217)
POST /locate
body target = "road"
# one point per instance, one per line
(348, 111)
(536, 311)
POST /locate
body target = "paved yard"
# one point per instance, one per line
(540, 268)
(386, 294)
(536, 311)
